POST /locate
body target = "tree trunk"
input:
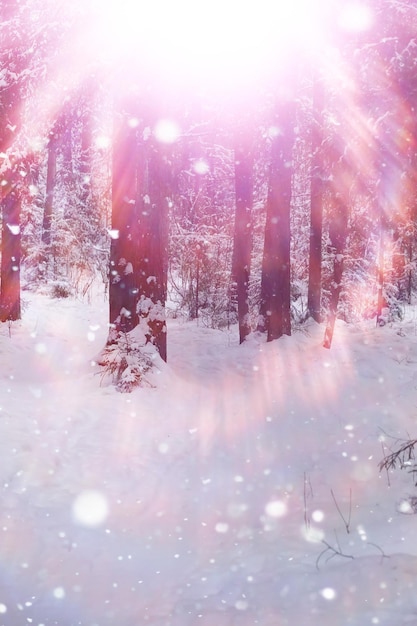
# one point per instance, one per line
(380, 275)
(316, 205)
(86, 150)
(242, 243)
(123, 266)
(139, 244)
(10, 121)
(153, 242)
(50, 189)
(10, 257)
(275, 307)
(337, 234)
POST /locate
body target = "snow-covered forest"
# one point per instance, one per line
(207, 313)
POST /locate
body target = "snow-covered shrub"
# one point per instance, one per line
(60, 289)
(127, 358)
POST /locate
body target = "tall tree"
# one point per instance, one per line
(155, 175)
(242, 243)
(123, 254)
(316, 202)
(11, 60)
(339, 191)
(275, 305)
(50, 187)
(138, 256)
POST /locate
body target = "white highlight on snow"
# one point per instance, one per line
(241, 605)
(133, 122)
(328, 593)
(317, 516)
(59, 593)
(222, 527)
(362, 532)
(91, 336)
(312, 534)
(41, 348)
(3, 608)
(163, 447)
(405, 507)
(113, 233)
(276, 508)
(14, 228)
(166, 131)
(90, 508)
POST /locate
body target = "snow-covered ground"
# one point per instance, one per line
(242, 490)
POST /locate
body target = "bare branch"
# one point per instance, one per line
(334, 552)
(345, 521)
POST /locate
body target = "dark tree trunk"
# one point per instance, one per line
(123, 266)
(138, 255)
(86, 148)
(275, 307)
(337, 234)
(10, 101)
(380, 275)
(10, 257)
(153, 241)
(316, 205)
(66, 123)
(242, 244)
(50, 189)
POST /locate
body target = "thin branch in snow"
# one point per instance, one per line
(334, 552)
(384, 556)
(345, 521)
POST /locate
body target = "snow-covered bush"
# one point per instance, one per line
(60, 289)
(127, 358)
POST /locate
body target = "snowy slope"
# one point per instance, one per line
(243, 490)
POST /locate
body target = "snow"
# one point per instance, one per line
(242, 490)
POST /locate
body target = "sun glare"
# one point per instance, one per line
(355, 17)
(166, 131)
(217, 42)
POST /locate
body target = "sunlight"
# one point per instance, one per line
(166, 131)
(355, 17)
(218, 41)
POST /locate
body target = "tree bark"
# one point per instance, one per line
(275, 307)
(139, 245)
(50, 189)
(337, 234)
(123, 266)
(242, 243)
(316, 205)
(10, 203)
(10, 309)
(153, 241)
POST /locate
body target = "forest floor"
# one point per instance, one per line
(243, 489)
